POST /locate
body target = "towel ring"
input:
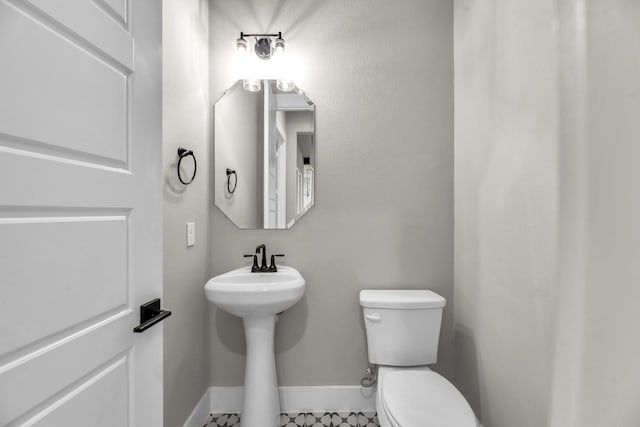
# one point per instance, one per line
(235, 181)
(182, 153)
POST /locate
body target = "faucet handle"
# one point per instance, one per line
(272, 267)
(254, 267)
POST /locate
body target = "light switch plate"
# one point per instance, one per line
(191, 234)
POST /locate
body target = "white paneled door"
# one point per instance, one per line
(80, 212)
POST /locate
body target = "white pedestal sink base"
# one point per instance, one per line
(257, 298)
(260, 402)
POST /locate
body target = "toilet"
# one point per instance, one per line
(403, 331)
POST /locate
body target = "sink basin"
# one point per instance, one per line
(246, 294)
(258, 298)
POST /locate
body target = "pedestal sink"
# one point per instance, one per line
(258, 298)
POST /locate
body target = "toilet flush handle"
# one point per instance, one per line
(374, 317)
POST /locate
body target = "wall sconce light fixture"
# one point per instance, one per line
(266, 46)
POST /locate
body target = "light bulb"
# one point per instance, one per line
(242, 46)
(285, 85)
(252, 85)
(280, 45)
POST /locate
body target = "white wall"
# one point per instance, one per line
(385, 105)
(186, 112)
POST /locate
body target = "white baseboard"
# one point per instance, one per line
(327, 398)
(200, 412)
(301, 399)
(223, 400)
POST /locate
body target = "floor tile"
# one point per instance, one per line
(309, 419)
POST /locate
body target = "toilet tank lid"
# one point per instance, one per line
(394, 298)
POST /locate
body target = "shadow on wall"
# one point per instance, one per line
(231, 333)
(173, 189)
(296, 326)
(466, 368)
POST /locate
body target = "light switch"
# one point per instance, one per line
(191, 234)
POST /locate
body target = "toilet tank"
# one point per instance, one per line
(403, 326)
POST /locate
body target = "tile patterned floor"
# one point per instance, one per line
(326, 419)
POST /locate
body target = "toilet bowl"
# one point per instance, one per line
(419, 397)
(403, 329)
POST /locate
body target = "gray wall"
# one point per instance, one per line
(237, 138)
(381, 75)
(505, 207)
(186, 112)
(546, 211)
(596, 374)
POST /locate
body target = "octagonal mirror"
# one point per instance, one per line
(265, 155)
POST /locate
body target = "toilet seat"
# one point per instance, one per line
(424, 399)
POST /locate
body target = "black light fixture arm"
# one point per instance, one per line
(278, 35)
